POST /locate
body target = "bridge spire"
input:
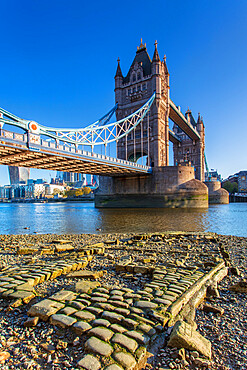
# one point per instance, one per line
(118, 72)
(142, 46)
(165, 66)
(156, 57)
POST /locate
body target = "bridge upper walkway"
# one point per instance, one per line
(63, 149)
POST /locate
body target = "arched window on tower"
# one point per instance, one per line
(138, 76)
(134, 77)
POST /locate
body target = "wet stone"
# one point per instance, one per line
(62, 320)
(117, 298)
(24, 295)
(117, 292)
(122, 340)
(63, 295)
(129, 323)
(148, 329)
(85, 315)
(45, 308)
(168, 297)
(78, 305)
(105, 306)
(100, 294)
(122, 311)
(103, 290)
(81, 326)
(112, 317)
(31, 321)
(68, 311)
(141, 338)
(98, 346)
(94, 310)
(146, 305)
(118, 328)
(84, 301)
(125, 359)
(113, 367)
(101, 333)
(86, 286)
(89, 362)
(101, 322)
(98, 299)
(162, 301)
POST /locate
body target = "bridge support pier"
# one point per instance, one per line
(216, 194)
(166, 187)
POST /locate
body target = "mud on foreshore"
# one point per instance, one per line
(123, 301)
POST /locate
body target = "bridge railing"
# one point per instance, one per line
(34, 142)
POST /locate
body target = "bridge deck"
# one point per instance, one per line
(15, 151)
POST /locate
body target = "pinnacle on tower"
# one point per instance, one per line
(156, 57)
(164, 63)
(118, 72)
(142, 46)
(200, 119)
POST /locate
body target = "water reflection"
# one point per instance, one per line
(84, 218)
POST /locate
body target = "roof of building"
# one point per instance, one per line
(142, 58)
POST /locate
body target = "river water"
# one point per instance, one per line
(81, 217)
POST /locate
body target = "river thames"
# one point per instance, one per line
(81, 217)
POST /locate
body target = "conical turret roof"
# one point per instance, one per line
(156, 57)
(119, 71)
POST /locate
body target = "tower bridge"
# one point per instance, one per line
(143, 109)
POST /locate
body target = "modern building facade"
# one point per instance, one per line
(18, 175)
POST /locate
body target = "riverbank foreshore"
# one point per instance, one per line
(115, 301)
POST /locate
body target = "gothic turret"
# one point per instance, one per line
(119, 71)
(118, 82)
(199, 124)
(156, 57)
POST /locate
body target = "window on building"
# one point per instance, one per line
(144, 87)
(138, 76)
(134, 77)
(139, 88)
(134, 89)
(129, 92)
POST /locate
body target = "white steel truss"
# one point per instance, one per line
(98, 133)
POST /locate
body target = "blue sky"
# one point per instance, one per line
(58, 61)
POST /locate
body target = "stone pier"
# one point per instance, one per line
(216, 194)
(166, 187)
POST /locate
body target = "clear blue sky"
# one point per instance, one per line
(58, 61)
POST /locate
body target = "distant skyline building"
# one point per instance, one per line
(71, 177)
(83, 179)
(18, 175)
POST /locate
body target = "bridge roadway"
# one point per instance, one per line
(23, 151)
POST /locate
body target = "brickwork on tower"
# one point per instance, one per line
(145, 77)
(189, 150)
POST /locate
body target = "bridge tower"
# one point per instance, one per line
(151, 137)
(190, 150)
(164, 186)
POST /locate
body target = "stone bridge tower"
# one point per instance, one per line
(164, 186)
(189, 150)
(144, 77)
